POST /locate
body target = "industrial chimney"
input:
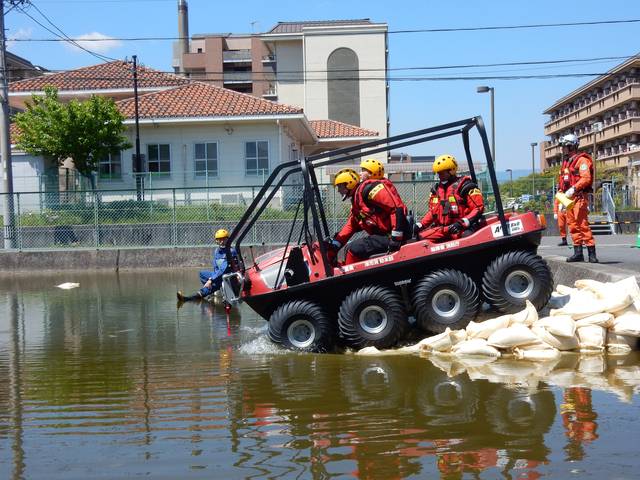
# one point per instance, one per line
(183, 31)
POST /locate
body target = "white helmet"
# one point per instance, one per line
(569, 140)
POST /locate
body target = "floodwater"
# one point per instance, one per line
(110, 380)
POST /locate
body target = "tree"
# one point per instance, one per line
(85, 131)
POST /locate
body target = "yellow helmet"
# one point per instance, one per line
(348, 176)
(445, 162)
(374, 167)
(220, 234)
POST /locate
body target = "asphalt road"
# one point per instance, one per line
(614, 250)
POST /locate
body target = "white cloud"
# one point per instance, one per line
(21, 34)
(95, 41)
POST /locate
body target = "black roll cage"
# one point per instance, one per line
(311, 192)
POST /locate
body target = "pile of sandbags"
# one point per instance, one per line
(597, 316)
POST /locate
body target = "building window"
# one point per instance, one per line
(206, 159)
(110, 167)
(256, 158)
(159, 159)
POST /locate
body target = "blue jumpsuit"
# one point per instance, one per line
(220, 267)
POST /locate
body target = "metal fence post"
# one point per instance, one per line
(18, 223)
(96, 220)
(174, 226)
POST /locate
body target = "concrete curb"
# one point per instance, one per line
(567, 273)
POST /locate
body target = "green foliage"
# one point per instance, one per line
(85, 131)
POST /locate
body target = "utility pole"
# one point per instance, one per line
(596, 127)
(5, 140)
(138, 163)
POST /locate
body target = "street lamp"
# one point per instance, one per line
(533, 170)
(510, 172)
(485, 89)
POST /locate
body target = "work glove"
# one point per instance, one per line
(332, 243)
(570, 193)
(561, 208)
(394, 245)
(555, 216)
(416, 228)
(455, 227)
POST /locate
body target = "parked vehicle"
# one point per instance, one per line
(313, 303)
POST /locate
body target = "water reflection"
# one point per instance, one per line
(111, 377)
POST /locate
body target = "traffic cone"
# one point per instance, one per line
(637, 245)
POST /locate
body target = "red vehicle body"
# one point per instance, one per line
(313, 302)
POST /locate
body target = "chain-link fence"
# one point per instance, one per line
(105, 219)
(162, 217)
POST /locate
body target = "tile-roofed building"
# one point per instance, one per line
(330, 129)
(296, 27)
(114, 75)
(202, 100)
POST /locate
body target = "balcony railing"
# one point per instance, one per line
(237, 77)
(236, 56)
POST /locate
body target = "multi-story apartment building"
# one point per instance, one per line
(333, 69)
(611, 102)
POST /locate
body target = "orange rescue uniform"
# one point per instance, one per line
(562, 218)
(581, 180)
(458, 200)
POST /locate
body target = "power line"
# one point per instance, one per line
(390, 32)
(62, 36)
(399, 69)
(392, 79)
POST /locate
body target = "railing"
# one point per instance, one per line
(608, 205)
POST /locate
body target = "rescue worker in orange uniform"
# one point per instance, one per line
(560, 214)
(374, 169)
(374, 209)
(580, 168)
(455, 204)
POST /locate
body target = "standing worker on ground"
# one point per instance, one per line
(374, 209)
(580, 167)
(560, 214)
(212, 279)
(455, 204)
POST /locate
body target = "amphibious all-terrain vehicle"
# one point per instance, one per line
(313, 302)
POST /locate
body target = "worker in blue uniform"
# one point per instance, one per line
(212, 279)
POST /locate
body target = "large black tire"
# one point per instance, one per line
(515, 277)
(445, 298)
(301, 325)
(372, 316)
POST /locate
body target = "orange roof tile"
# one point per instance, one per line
(105, 76)
(201, 100)
(334, 129)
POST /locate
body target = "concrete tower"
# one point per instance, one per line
(183, 31)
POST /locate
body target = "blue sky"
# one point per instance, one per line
(415, 104)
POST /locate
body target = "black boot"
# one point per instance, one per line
(577, 256)
(186, 298)
(592, 254)
(563, 242)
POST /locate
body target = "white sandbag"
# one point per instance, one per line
(475, 347)
(537, 355)
(486, 328)
(439, 343)
(620, 344)
(583, 303)
(558, 342)
(559, 325)
(458, 336)
(564, 290)
(537, 345)
(630, 285)
(601, 319)
(368, 351)
(627, 324)
(630, 309)
(591, 338)
(615, 296)
(512, 336)
(527, 316)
